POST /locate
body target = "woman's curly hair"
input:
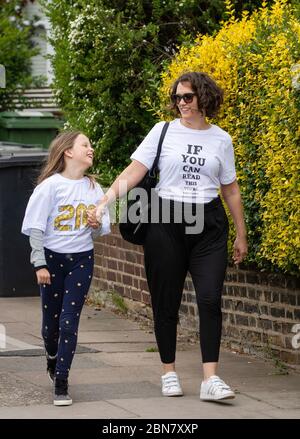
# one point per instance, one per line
(209, 94)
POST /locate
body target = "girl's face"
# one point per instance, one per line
(82, 152)
(186, 100)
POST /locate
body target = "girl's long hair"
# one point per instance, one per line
(56, 162)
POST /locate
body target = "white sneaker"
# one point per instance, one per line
(170, 385)
(214, 389)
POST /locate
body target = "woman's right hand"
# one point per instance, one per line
(91, 218)
(43, 276)
(94, 216)
(128, 179)
(100, 211)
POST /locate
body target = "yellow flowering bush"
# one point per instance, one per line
(257, 62)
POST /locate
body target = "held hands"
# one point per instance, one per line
(43, 276)
(92, 219)
(100, 211)
(94, 216)
(240, 249)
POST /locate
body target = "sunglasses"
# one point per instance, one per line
(187, 98)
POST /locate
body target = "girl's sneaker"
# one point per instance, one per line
(214, 389)
(170, 385)
(51, 365)
(61, 396)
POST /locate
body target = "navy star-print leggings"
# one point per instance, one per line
(62, 302)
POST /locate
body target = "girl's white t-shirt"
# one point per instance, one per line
(193, 163)
(58, 207)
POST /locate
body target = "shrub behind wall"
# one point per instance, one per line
(108, 57)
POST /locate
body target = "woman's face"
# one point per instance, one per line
(188, 104)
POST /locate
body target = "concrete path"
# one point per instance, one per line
(115, 377)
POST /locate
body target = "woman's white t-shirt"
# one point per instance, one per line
(58, 207)
(193, 163)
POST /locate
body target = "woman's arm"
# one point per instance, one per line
(232, 197)
(128, 179)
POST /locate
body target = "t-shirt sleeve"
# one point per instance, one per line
(227, 173)
(146, 151)
(38, 208)
(105, 226)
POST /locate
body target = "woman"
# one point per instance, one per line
(197, 159)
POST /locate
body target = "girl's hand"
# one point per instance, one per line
(43, 276)
(100, 211)
(240, 249)
(92, 220)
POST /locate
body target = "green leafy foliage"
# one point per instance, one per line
(107, 63)
(16, 49)
(256, 60)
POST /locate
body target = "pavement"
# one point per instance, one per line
(116, 374)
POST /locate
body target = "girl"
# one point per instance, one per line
(62, 248)
(197, 159)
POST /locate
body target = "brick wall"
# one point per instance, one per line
(259, 309)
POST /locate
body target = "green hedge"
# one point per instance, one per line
(16, 50)
(107, 62)
(257, 62)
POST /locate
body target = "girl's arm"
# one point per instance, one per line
(232, 197)
(37, 256)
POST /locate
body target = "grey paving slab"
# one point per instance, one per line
(96, 375)
(281, 400)
(190, 407)
(122, 379)
(103, 323)
(114, 336)
(126, 346)
(15, 391)
(88, 410)
(131, 358)
(114, 390)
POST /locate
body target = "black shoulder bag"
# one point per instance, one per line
(134, 221)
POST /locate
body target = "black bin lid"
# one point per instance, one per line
(18, 154)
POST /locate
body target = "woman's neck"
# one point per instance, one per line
(195, 124)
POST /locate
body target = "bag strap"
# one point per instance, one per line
(152, 171)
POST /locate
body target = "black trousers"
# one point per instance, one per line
(170, 252)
